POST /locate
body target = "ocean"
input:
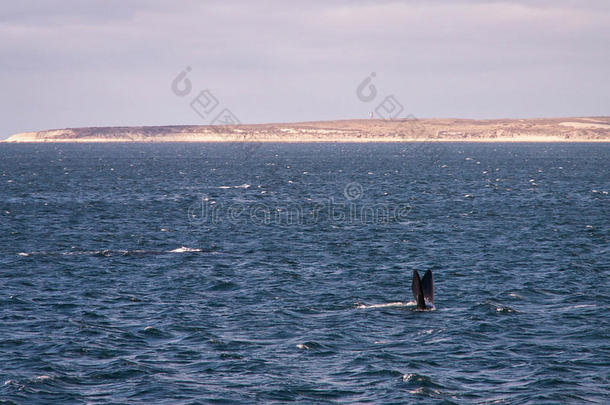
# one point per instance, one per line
(274, 273)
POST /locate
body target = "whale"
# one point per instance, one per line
(423, 289)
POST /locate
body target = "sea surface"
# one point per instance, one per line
(274, 273)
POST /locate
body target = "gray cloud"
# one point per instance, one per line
(82, 63)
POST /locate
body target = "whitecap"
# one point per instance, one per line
(184, 249)
(245, 185)
(504, 309)
(309, 345)
(409, 377)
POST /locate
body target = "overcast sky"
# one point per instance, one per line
(72, 63)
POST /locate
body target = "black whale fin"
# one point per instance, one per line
(427, 284)
(418, 292)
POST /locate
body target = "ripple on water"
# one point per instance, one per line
(111, 293)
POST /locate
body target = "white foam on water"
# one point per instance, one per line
(240, 186)
(184, 249)
(108, 252)
(386, 305)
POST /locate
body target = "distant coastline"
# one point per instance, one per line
(582, 129)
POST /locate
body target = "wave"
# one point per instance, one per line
(392, 304)
(244, 186)
(184, 249)
(386, 305)
(110, 252)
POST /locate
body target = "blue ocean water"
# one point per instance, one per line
(228, 273)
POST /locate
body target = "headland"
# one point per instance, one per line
(581, 129)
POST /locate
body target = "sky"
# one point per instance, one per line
(78, 63)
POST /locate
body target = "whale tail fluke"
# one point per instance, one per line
(418, 292)
(423, 289)
(427, 284)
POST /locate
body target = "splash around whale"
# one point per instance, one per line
(423, 293)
